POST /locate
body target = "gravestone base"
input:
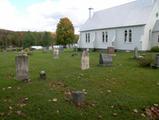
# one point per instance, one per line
(22, 70)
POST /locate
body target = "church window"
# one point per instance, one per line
(126, 34)
(103, 36)
(130, 35)
(106, 36)
(86, 37)
(157, 14)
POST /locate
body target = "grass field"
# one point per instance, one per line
(112, 92)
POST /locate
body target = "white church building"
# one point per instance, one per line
(135, 24)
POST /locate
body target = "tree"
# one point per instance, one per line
(46, 39)
(64, 32)
(28, 40)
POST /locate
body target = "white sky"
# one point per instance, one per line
(44, 15)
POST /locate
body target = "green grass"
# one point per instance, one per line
(132, 87)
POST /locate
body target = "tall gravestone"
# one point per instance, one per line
(85, 60)
(56, 53)
(136, 53)
(105, 59)
(22, 69)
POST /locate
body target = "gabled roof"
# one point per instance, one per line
(130, 14)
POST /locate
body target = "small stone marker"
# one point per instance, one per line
(136, 53)
(105, 59)
(42, 75)
(110, 50)
(56, 53)
(85, 60)
(78, 98)
(22, 69)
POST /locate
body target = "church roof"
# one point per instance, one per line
(130, 14)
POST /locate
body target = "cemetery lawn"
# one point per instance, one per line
(112, 92)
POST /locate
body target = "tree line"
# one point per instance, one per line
(24, 39)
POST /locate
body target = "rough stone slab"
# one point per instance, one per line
(85, 60)
(22, 69)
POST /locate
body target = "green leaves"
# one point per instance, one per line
(65, 32)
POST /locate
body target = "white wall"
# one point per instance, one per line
(137, 34)
(147, 39)
(155, 36)
(115, 35)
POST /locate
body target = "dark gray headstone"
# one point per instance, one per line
(42, 75)
(78, 98)
(22, 69)
(157, 60)
(105, 59)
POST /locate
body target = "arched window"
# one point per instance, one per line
(130, 35)
(86, 37)
(126, 34)
(103, 36)
(106, 36)
(158, 38)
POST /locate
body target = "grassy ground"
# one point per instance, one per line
(131, 86)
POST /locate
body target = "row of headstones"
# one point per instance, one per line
(22, 69)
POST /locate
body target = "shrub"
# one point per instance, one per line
(155, 49)
(27, 51)
(146, 61)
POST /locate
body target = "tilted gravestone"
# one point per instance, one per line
(110, 50)
(78, 98)
(85, 60)
(105, 59)
(56, 53)
(136, 53)
(22, 69)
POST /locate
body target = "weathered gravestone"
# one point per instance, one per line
(42, 75)
(110, 50)
(156, 63)
(105, 59)
(56, 53)
(136, 53)
(45, 49)
(22, 69)
(85, 60)
(78, 98)
(157, 60)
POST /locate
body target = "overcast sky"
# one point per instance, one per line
(43, 15)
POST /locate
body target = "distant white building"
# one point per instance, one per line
(135, 24)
